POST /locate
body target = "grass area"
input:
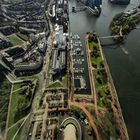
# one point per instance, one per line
(105, 122)
(23, 37)
(64, 80)
(95, 55)
(91, 110)
(78, 111)
(125, 24)
(15, 40)
(102, 89)
(55, 85)
(92, 45)
(96, 62)
(17, 86)
(5, 88)
(100, 75)
(12, 132)
(32, 78)
(20, 100)
(106, 126)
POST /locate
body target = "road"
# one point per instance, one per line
(20, 127)
(8, 115)
(90, 118)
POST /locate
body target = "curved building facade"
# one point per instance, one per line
(22, 70)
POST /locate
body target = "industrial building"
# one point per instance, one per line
(58, 65)
(26, 61)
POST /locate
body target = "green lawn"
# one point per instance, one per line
(15, 40)
(5, 88)
(105, 123)
(107, 126)
(96, 61)
(12, 132)
(100, 77)
(17, 86)
(32, 78)
(17, 101)
(101, 89)
(55, 85)
(92, 45)
(64, 80)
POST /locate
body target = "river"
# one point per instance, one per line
(125, 69)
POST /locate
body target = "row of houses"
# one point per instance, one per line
(4, 41)
(26, 17)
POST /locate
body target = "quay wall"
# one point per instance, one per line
(115, 101)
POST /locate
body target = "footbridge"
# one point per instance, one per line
(90, 9)
(108, 40)
(113, 36)
(83, 8)
(109, 37)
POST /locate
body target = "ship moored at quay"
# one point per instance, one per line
(94, 6)
(121, 2)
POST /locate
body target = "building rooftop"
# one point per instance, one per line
(70, 132)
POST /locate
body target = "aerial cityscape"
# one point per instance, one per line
(69, 69)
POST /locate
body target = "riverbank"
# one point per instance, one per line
(123, 23)
(124, 69)
(105, 91)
